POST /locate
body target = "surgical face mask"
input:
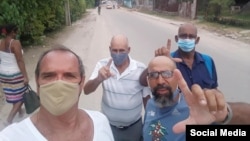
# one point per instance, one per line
(59, 96)
(186, 45)
(119, 58)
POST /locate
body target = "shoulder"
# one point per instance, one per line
(151, 102)
(17, 128)
(16, 45)
(204, 55)
(138, 63)
(16, 42)
(22, 131)
(96, 115)
(207, 58)
(174, 53)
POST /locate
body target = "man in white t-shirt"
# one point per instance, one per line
(123, 96)
(59, 85)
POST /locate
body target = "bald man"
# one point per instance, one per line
(123, 95)
(171, 108)
(196, 67)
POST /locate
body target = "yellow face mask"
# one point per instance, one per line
(59, 96)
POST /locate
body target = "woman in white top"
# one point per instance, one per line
(13, 75)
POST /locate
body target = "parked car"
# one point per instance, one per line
(104, 1)
(109, 5)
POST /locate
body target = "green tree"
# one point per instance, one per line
(38, 17)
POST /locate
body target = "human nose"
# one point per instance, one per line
(160, 79)
(59, 77)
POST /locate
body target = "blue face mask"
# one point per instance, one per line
(119, 58)
(186, 45)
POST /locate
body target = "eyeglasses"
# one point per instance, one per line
(164, 74)
(187, 36)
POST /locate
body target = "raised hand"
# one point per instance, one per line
(165, 51)
(104, 73)
(206, 106)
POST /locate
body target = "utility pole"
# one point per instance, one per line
(67, 13)
(193, 9)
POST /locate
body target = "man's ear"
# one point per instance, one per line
(81, 84)
(148, 82)
(37, 86)
(129, 49)
(197, 40)
(176, 38)
(82, 81)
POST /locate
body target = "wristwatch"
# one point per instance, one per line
(229, 115)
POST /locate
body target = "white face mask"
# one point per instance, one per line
(59, 96)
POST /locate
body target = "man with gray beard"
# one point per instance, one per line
(163, 100)
(171, 108)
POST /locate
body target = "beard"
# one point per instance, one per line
(163, 100)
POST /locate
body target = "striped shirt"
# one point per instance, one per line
(122, 98)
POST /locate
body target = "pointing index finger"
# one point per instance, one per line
(183, 86)
(169, 44)
(109, 63)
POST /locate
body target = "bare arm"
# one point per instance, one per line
(17, 50)
(103, 74)
(91, 85)
(241, 113)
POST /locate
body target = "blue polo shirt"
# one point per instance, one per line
(199, 73)
(159, 122)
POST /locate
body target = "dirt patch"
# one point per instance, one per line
(32, 53)
(236, 33)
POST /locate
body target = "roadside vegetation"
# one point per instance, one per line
(217, 16)
(225, 12)
(36, 18)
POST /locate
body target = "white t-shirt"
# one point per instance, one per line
(26, 131)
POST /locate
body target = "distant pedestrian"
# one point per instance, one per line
(99, 9)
